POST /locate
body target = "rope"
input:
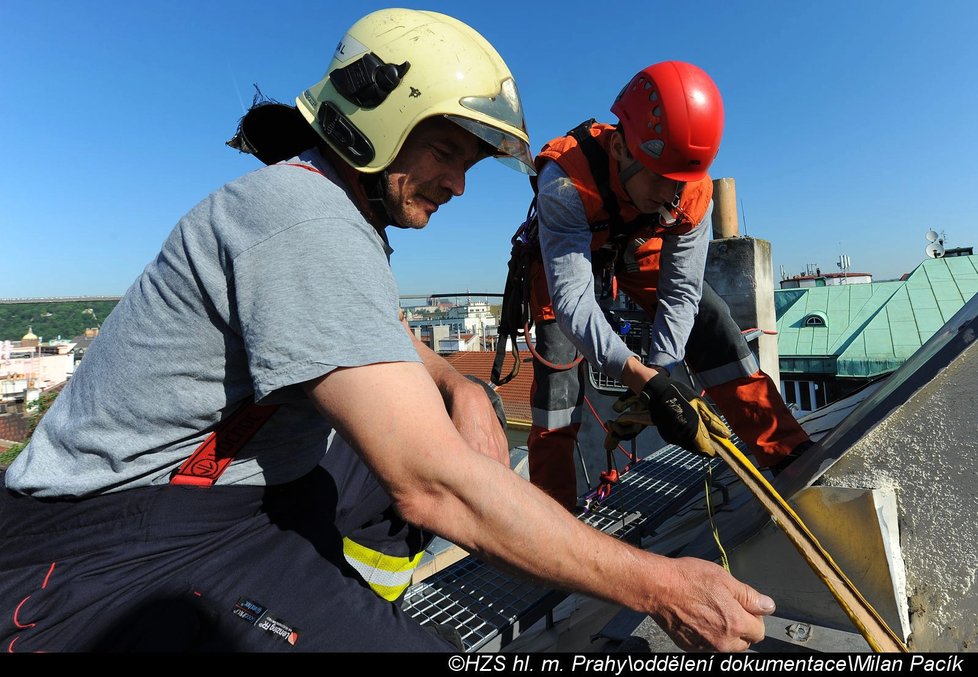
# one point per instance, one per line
(610, 476)
(540, 358)
(631, 457)
(708, 483)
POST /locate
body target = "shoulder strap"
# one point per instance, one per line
(215, 453)
(597, 161)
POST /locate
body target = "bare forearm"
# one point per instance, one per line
(508, 521)
(392, 414)
(635, 374)
(442, 373)
(699, 604)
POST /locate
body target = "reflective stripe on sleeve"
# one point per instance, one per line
(388, 576)
(553, 420)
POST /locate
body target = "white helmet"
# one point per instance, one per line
(397, 67)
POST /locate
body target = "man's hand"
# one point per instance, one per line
(475, 419)
(681, 416)
(634, 419)
(710, 610)
(467, 404)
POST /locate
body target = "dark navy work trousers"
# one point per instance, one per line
(173, 568)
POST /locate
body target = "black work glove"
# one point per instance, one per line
(682, 416)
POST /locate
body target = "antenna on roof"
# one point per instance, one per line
(935, 249)
(844, 265)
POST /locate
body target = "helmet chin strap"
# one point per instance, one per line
(666, 216)
(374, 185)
(628, 172)
(668, 213)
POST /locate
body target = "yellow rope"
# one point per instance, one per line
(708, 482)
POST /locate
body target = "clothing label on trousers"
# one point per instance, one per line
(257, 615)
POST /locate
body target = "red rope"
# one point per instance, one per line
(540, 358)
(629, 456)
(611, 475)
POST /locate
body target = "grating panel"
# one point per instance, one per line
(657, 480)
(481, 602)
(638, 339)
(473, 597)
(604, 384)
(606, 518)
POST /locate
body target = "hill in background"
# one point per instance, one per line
(66, 319)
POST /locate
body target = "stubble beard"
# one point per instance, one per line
(407, 212)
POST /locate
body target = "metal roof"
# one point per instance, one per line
(870, 328)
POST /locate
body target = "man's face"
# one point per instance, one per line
(648, 191)
(428, 171)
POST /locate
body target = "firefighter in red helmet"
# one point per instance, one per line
(631, 203)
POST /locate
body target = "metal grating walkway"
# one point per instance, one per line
(477, 600)
(489, 607)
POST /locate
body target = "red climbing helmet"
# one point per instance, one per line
(672, 117)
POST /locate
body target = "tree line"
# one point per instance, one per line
(66, 319)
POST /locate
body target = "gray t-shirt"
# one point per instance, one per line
(271, 281)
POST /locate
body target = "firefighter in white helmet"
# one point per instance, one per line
(175, 496)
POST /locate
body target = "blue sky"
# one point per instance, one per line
(850, 126)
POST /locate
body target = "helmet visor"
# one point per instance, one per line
(506, 107)
(510, 150)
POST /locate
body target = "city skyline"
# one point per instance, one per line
(848, 125)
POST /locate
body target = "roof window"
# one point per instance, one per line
(816, 320)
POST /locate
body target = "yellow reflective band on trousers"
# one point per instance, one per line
(387, 575)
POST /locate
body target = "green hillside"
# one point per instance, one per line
(50, 320)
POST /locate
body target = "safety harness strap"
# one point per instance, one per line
(597, 161)
(515, 317)
(215, 453)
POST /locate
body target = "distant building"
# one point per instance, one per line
(833, 339)
(29, 366)
(959, 251)
(30, 340)
(83, 341)
(457, 328)
(460, 343)
(825, 280)
(14, 427)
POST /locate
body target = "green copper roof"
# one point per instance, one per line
(864, 330)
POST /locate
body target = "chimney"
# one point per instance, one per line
(725, 209)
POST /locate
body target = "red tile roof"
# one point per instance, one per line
(515, 394)
(14, 428)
